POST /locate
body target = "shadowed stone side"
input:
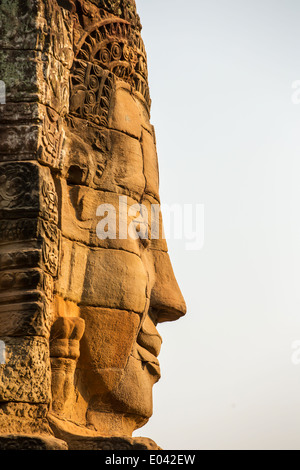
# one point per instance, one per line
(19, 442)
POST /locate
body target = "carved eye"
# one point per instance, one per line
(76, 175)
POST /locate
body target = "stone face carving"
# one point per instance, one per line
(78, 312)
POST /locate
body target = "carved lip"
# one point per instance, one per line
(148, 347)
(149, 360)
(149, 339)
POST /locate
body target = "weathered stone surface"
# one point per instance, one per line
(104, 289)
(31, 442)
(108, 443)
(111, 349)
(25, 375)
(126, 115)
(24, 418)
(19, 24)
(81, 221)
(24, 319)
(72, 270)
(88, 277)
(27, 190)
(85, 275)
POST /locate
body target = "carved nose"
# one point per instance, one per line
(167, 302)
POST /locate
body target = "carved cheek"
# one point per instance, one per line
(115, 279)
(109, 337)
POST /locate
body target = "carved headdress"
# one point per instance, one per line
(107, 47)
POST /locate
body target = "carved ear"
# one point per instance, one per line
(67, 4)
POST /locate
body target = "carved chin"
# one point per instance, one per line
(121, 403)
(135, 389)
(132, 394)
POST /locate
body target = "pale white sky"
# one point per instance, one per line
(221, 74)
